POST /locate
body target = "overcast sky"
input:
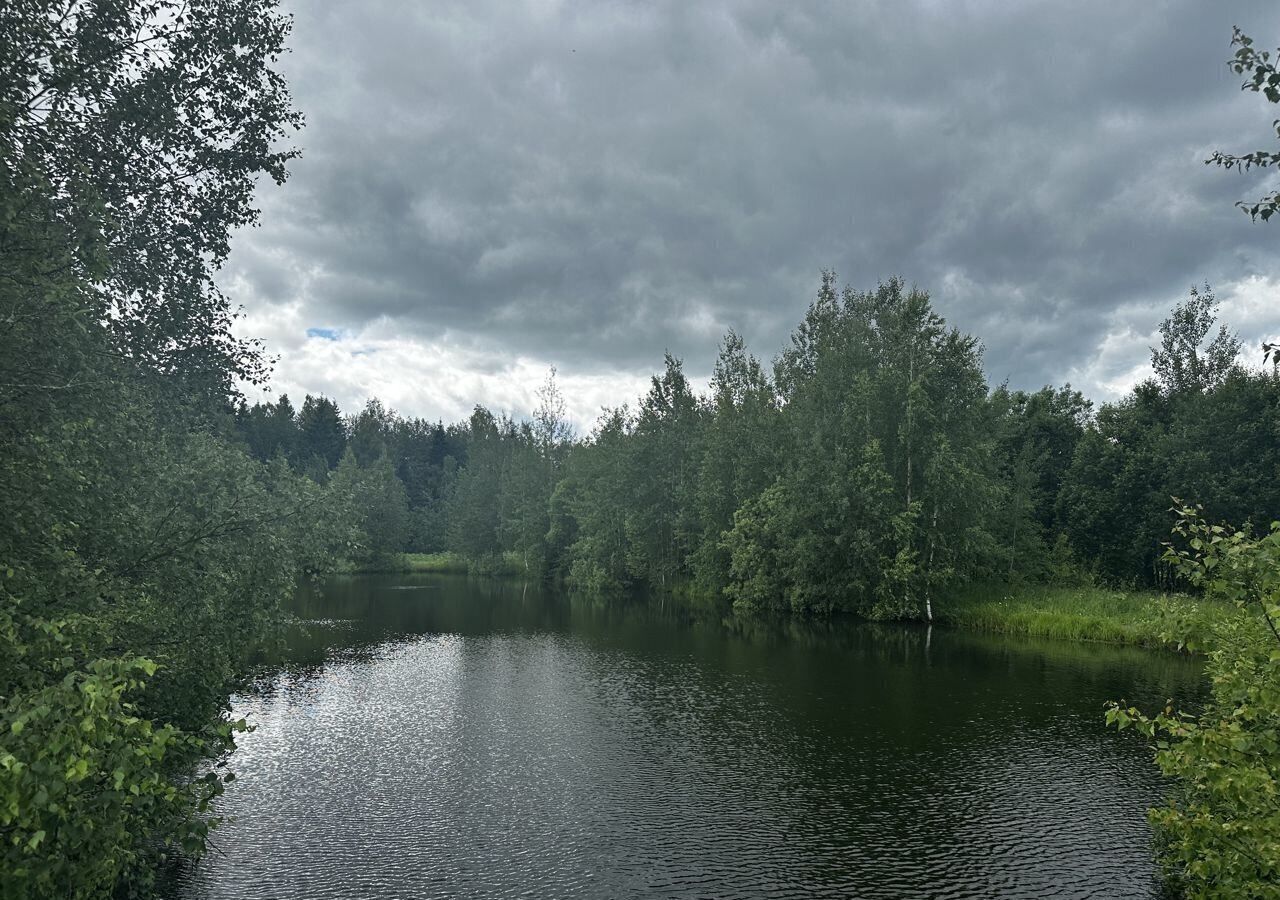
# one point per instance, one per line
(490, 189)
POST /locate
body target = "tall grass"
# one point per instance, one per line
(1086, 613)
(446, 563)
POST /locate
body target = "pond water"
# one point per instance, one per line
(444, 737)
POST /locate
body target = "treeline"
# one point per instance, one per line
(867, 470)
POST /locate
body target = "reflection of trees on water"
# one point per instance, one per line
(354, 615)
(825, 746)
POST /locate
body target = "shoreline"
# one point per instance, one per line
(1081, 613)
(1159, 621)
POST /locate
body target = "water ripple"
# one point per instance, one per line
(643, 760)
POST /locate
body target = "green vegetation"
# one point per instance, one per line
(1086, 613)
(872, 472)
(143, 551)
(1262, 77)
(442, 563)
(1220, 832)
(439, 563)
(154, 521)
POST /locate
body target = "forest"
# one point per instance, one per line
(869, 469)
(155, 522)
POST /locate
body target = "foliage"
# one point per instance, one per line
(1036, 435)
(870, 471)
(136, 555)
(374, 505)
(600, 504)
(1184, 362)
(449, 563)
(884, 496)
(83, 774)
(1085, 613)
(660, 524)
(1207, 427)
(146, 124)
(1220, 832)
(320, 434)
(142, 549)
(741, 449)
(1262, 77)
(154, 521)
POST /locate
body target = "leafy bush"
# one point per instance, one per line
(1220, 831)
(91, 792)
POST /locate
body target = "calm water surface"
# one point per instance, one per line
(439, 737)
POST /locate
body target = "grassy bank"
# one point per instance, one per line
(1082, 613)
(439, 563)
(508, 564)
(1085, 614)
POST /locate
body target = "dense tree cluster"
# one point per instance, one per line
(142, 549)
(869, 469)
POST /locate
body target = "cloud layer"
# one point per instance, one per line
(489, 189)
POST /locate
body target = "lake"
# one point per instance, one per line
(431, 736)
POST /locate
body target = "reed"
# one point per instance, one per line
(1086, 613)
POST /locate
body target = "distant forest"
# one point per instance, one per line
(867, 470)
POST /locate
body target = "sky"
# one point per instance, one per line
(488, 190)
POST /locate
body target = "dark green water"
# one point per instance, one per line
(438, 737)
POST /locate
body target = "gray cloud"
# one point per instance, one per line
(590, 183)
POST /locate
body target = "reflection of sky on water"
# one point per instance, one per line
(448, 743)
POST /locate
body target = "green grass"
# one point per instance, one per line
(385, 565)
(1085, 614)
(441, 563)
(446, 563)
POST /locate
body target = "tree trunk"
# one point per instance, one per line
(933, 530)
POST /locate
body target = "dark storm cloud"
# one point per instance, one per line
(591, 183)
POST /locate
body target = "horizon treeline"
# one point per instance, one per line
(867, 470)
